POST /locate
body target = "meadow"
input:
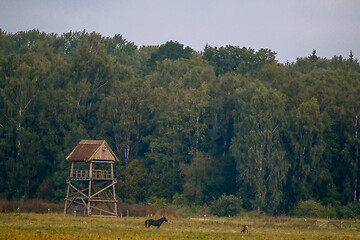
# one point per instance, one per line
(58, 226)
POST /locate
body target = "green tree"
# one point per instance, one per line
(166, 146)
(18, 92)
(136, 183)
(306, 150)
(170, 50)
(238, 60)
(122, 114)
(179, 109)
(202, 179)
(196, 101)
(220, 130)
(119, 47)
(257, 148)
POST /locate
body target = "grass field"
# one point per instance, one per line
(58, 226)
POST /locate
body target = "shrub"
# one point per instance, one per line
(310, 208)
(330, 211)
(345, 212)
(352, 210)
(226, 205)
(157, 202)
(180, 200)
(355, 208)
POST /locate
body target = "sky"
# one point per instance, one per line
(291, 28)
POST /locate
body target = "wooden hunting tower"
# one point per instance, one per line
(91, 189)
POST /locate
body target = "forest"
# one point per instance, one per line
(188, 127)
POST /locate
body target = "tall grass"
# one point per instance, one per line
(41, 206)
(58, 226)
(29, 206)
(141, 210)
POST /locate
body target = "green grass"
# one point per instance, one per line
(58, 226)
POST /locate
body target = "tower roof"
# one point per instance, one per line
(88, 150)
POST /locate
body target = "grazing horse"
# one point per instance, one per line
(245, 229)
(156, 223)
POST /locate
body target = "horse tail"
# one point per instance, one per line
(146, 221)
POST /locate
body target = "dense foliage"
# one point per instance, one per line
(189, 127)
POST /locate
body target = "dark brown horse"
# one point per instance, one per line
(156, 223)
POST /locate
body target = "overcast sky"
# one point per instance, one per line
(291, 28)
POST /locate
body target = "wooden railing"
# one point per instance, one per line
(96, 174)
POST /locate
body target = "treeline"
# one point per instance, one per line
(189, 127)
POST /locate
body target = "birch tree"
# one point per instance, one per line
(257, 148)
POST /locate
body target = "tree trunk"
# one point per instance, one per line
(356, 182)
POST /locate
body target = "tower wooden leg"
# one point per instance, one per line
(67, 197)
